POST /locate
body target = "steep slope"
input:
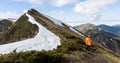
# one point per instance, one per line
(33, 34)
(54, 25)
(52, 33)
(101, 36)
(43, 40)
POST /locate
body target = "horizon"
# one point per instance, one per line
(72, 12)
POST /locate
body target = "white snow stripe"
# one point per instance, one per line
(45, 39)
(76, 31)
(58, 22)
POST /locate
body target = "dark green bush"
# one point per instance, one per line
(33, 57)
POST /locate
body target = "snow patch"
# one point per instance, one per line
(107, 40)
(97, 37)
(111, 39)
(99, 29)
(13, 20)
(76, 31)
(104, 44)
(44, 40)
(58, 22)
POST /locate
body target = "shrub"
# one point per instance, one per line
(33, 57)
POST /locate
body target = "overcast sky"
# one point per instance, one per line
(72, 12)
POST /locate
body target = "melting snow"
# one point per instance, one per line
(58, 22)
(54, 20)
(111, 39)
(45, 39)
(13, 20)
(97, 37)
(104, 44)
(75, 31)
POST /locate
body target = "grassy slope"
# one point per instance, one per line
(101, 36)
(72, 43)
(72, 50)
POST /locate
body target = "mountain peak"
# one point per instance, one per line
(35, 31)
(88, 25)
(32, 9)
(36, 28)
(85, 27)
(100, 35)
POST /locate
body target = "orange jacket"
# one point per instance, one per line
(88, 41)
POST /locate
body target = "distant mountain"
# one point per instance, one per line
(101, 36)
(113, 29)
(38, 38)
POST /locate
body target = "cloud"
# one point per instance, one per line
(57, 3)
(36, 2)
(60, 3)
(92, 8)
(61, 12)
(5, 15)
(33, 2)
(58, 14)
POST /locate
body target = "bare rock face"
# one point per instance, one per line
(5, 25)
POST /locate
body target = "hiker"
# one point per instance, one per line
(88, 42)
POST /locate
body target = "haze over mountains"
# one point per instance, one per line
(34, 32)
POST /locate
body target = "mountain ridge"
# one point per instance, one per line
(113, 29)
(101, 36)
(71, 50)
(21, 33)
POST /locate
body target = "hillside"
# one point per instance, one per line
(20, 30)
(53, 42)
(5, 25)
(113, 29)
(101, 36)
(40, 33)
